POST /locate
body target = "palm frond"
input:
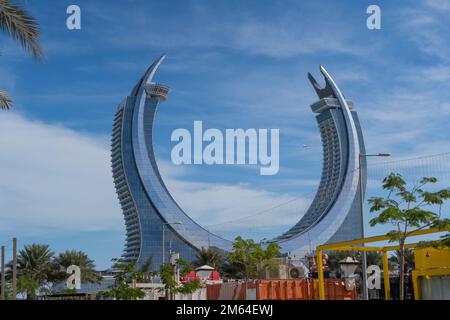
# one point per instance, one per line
(21, 27)
(5, 100)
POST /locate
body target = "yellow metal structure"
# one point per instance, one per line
(356, 245)
(429, 262)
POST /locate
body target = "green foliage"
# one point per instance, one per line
(172, 285)
(123, 287)
(247, 254)
(36, 268)
(80, 259)
(335, 256)
(408, 257)
(219, 260)
(373, 258)
(26, 284)
(5, 100)
(211, 257)
(8, 290)
(146, 270)
(20, 26)
(408, 210)
(444, 242)
(189, 286)
(404, 208)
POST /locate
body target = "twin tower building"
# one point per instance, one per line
(152, 216)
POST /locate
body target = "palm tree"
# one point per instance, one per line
(209, 256)
(80, 259)
(24, 29)
(335, 256)
(374, 258)
(408, 256)
(34, 263)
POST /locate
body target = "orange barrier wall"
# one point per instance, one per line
(303, 289)
(283, 290)
(226, 291)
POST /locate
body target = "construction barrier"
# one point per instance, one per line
(226, 291)
(301, 289)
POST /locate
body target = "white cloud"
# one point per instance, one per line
(442, 5)
(53, 179)
(426, 24)
(283, 35)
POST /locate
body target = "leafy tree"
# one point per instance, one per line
(8, 290)
(172, 285)
(445, 241)
(24, 29)
(146, 269)
(231, 270)
(373, 258)
(80, 259)
(408, 256)
(335, 256)
(249, 254)
(406, 210)
(123, 288)
(147, 266)
(209, 256)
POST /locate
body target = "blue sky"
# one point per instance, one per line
(231, 64)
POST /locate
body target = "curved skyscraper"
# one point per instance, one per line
(334, 214)
(151, 214)
(155, 223)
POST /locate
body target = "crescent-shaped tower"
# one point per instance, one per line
(151, 214)
(155, 224)
(335, 213)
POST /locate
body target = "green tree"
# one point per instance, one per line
(146, 270)
(232, 270)
(373, 258)
(27, 285)
(408, 256)
(123, 288)
(408, 210)
(173, 285)
(80, 259)
(35, 267)
(209, 256)
(335, 256)
(249, 254)
(24, 29)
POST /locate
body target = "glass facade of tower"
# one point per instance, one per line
(334, 214)
(148, 208)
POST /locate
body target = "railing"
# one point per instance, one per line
(157, 90)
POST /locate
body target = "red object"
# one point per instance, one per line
(215, 275)
(191, 276)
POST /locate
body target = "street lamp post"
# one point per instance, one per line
(163, 236)
(361, 203)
